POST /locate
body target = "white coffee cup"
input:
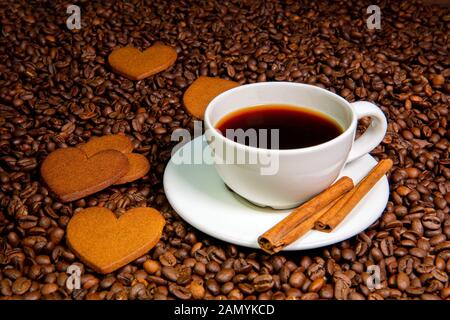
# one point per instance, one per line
(301, 173)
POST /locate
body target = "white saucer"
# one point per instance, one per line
(199, 196)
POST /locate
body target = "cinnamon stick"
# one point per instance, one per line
(294, 225)
(331, 218)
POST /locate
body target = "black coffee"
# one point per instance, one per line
(298, 127)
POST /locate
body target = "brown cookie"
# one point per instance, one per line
(138, 164)
(106, 243)
(139, 167)
(202, 91)
(117, 142)
(136, 65)
(72, 175)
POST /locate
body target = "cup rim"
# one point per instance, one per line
(318, 147)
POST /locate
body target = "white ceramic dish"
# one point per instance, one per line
(200, 197)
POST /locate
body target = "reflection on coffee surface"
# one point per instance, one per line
(297, 127)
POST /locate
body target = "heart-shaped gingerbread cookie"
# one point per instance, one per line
(72, 175)
(117, 142)
(136, 65)
(138, 163)
(138, 167)
(106, 243)
(202, 91)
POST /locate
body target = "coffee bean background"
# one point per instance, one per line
(57, 90)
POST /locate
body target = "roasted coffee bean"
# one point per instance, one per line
(107, 282)
(227, 287)
(306, 284)
(424, 268)
(297, 279)
(12, 274)
(263, 283)
(445, 245)
(157, 280)
(355, 296)
(189, 262)
(180, 292)
(5, 287)
(387, 246)
(140, 275)
(49, 288)
(235, 294)
(228, 263)
(200, 268)
(293, 294)
(213, 267)
(402, 281)
(183, 274)
(151, 266)
(342, 286)
(242, 266)
(170, 273)
(428, 296)
(348, 254)
(239, 278)
(246, 288)
(445, 292)
(310, 296)
(415, 291)
(35, 272)
(440, 275)
(197, 289)
(213, 286)
(88, 281)
(418, 252)
(168, 259)
(316, 285)
(138, 291)
(35, 295)
(224, 275)
(326, 292)
(21, 285)
(121, 295)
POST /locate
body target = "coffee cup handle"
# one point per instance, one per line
(374, 133)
